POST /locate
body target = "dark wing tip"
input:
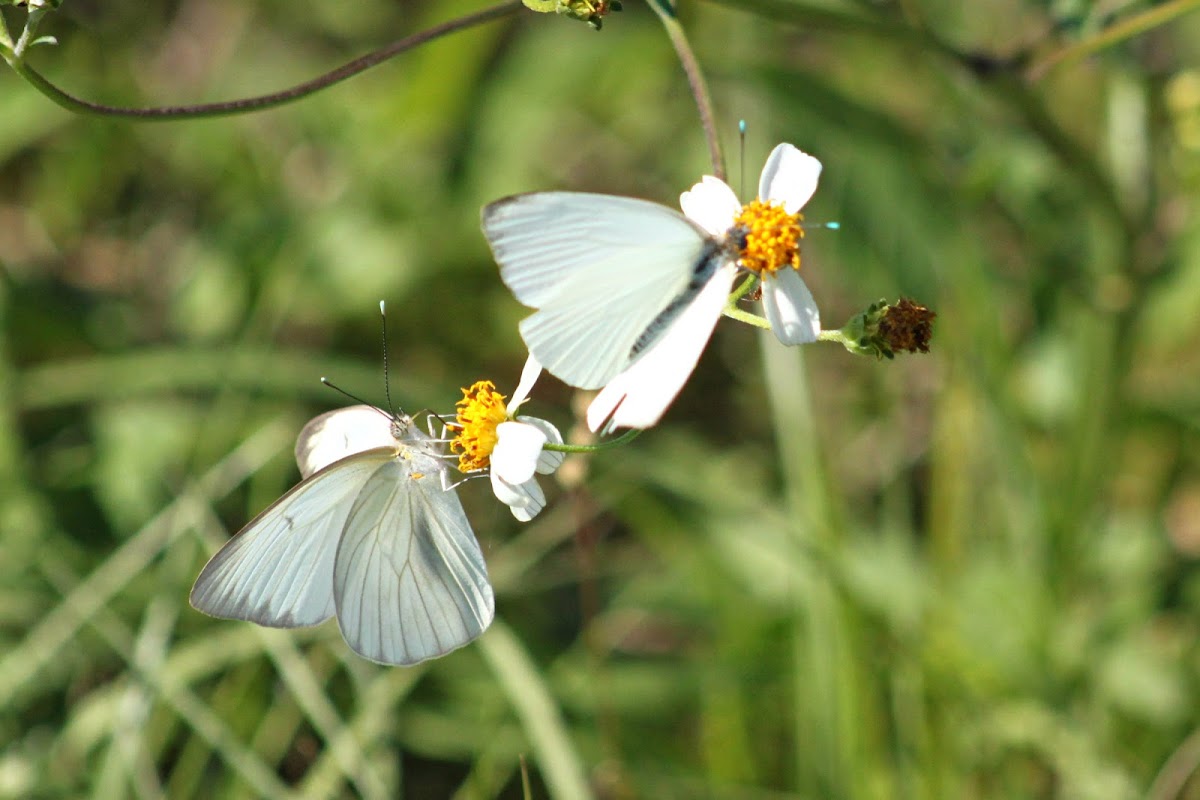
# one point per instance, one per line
(495, 207)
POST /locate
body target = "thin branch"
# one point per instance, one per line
(1001, 75)
(248, 104)
(27, 35)
(1125, 29)
(695, 78)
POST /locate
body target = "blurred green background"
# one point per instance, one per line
(967, 574)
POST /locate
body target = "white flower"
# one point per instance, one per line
(492, 436)
(762, 236)
(771, 227)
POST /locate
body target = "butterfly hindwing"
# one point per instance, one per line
(409, 581)
(278, 571)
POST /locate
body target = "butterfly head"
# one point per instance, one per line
(402, 427)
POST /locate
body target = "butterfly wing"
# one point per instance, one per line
(344, 432)
(278, 571)
(599, 269)
(638, 397)
(407, 553)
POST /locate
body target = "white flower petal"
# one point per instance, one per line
(789, 177)
(507, 493)
(518, 446)
(711, 204)
(337, 434)
(524, 500)
(790, 308)
(548, 460)
(637, 397)
(536, 502)
(529, 376)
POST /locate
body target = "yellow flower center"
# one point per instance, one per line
(772, 237)
(479, 412)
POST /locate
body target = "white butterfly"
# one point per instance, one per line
(370, 535)
(628, 292)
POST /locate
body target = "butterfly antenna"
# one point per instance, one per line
(742, 157)
(353, 397)
(387, 383)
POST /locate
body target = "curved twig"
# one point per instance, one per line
(248, 104)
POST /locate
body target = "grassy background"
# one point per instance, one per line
(968, 574)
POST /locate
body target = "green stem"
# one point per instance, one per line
(624, 438)
(834, 336)
(695, 78)
(734, 312)
(248, 104)
(759, 322)
(746, 317)
(744, 289)
(31, 23)
(824, 729)
(6, 42)
(1125, 29)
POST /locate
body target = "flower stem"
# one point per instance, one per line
(624, 438)
(833, 336)
(31, 23)
(759, 322)
(743, 290)
(691, 67)
(746, 317)
(248, 104)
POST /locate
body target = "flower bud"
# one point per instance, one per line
(884, 329)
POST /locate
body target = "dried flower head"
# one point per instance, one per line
(884, 329)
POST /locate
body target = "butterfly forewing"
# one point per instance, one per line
(599, 268)
(334, 435)
(278, 571)
(409, 579)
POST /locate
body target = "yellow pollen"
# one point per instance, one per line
(772, 237)
(479, 412)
